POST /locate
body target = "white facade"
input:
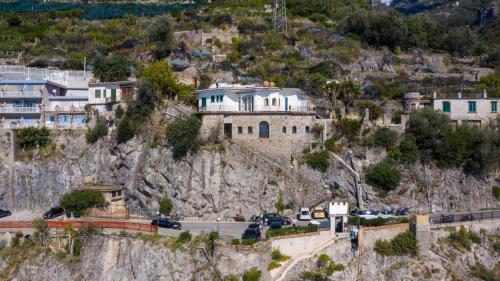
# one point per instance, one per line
(110, 92)
(474, 111)
(249, 98)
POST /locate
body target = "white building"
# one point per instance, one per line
(103, 95)
(476, 111)
(250, 98)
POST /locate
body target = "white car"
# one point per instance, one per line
(368, 214)
(304, 214)
(315, 222)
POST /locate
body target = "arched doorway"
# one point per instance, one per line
(264, 130)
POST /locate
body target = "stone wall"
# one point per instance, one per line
(369, 235)
(301, 244)
(283, 139)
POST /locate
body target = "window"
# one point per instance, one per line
(217, 98)
(212, 99)
(294, 130)
(274, 101)
(116, 193)
(494, 107)
(266, 102)
(307, 129)
(222, 98)
(97, 94)
(283, 130)
(472, 106)
(240, 130)
(446, 106)
(250, 130)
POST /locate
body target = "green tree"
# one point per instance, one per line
(77, 201)
(41, 234)
(408, 151)
(125, 130)
(252, 275)
(162, 78)
(385, 137)
(166, 206)
(349, 128)
(383, 176)
(113, 68)
(182, 135)
(99, 131)
(319, 160)
(14, 21)
(161, 34)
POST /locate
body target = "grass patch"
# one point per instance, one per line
(481, 272)
(273, 265)
(463, 239)
(496, 192)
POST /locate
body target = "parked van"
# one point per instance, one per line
(304, 214)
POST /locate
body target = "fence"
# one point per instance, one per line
(462, 217)
(79, 223)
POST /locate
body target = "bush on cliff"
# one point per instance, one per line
(77, 201)
(182, 135)
(383, 176)
(402, 244)
(28, 138)
(319, 160)
(99, 131)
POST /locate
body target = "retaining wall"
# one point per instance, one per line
(300, 244)
(16, 225)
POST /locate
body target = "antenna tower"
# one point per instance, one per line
(280, 22)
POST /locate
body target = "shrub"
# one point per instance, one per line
(125, 130)
(119, 112)
(291, 230)
(14, 21)
(113, 68)
(276, 255)
(462, 238)
(161, 34)
(99, 131)
(331, 145)
(408, 151)
(314, 276)
(184, 237)
(374, 109)
(166, 205)
(383, 176)
(481, 272)
(235, 242)
(385, 137)
(349, 128)
(402, 244)
(41, 234)
(317, 130)
(248, 242)
(496, 192)
(319, 160)
(252, 275)
(16, 239)
(182, 135)
(280, 207)
(28, 138)
(273, 265)
(323, 261)
(77, 201)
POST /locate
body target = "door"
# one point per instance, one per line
(286, 104)
(203, 103)
(263, 130)
(113, 95)
(228, 131)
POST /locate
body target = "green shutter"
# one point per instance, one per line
(446, 106)
(97, 94)
(472, 106)
(494, 106)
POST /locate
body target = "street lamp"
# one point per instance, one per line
(218, 226)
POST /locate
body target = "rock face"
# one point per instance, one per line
(218, 181)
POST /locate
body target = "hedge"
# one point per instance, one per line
(378, 221)
(291, 230)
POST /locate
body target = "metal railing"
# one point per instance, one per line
(20, 109)
(228, 108)
(464, 217)
(20, 94)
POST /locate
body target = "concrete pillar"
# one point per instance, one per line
(419, 224)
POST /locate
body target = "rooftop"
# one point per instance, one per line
(102, 188)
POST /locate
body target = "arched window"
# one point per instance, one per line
(212, 99)
(266, 102)
(264, 130)
(294, 130)
(307, 129)
(283, 130)
(274, 101)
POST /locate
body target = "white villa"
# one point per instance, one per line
(103, 95)
(250, 98)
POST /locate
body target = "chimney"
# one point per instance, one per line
(459, 95)
(485, 94)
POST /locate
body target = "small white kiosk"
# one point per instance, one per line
(338, 214)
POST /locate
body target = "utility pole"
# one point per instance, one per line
(280, 22)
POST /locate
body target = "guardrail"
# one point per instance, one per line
(20, 109)
(125, 225)
(464, 217)
(20, 94)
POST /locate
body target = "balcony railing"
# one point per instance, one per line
(63, 109)
(20, 109)
(227, 108)
(20, 94)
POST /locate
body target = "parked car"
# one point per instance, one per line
(318, 213)
(53, 212)
(287, 221)
(167, 223)
(4, 213)
(254, 225)
(304, 214)
(251, 233)
(256, 218)
(267, 219)
(368, 214)
(314, 222)
(275, 225)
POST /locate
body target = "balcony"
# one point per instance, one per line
(69, 109)
(20, 109)
(20, 94)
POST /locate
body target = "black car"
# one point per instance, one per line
(275, 225)
(167, 223)
(4, 213)
(251, 233)
(268, 219)
(254, 225)
(53, 212)
(287, 221)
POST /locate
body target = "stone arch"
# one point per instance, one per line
(264, 130)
